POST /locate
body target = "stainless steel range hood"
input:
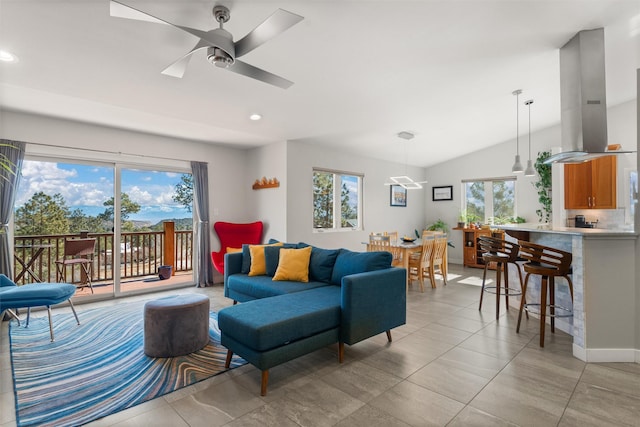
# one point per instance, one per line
(583, 99)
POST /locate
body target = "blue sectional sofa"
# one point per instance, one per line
(350, 296)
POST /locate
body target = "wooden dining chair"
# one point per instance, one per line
(379, 242)
(393, 236)
(382, 242)
(439, 259)
(418, 266)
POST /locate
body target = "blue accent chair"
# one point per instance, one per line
(34, 295)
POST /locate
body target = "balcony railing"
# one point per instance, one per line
(141, 253)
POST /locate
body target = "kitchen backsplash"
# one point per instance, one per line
(607, 218)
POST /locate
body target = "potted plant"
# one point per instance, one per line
(543, 186)
(462, 219)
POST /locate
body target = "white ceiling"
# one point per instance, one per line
(363, 70)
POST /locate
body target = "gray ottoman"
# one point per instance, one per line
(176, 325)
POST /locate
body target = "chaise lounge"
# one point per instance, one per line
(339, 296)
(34, 295)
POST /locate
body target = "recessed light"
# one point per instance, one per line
(255, 117)
(6, 56)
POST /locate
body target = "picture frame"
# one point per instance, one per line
(398, 196)
(442, 193)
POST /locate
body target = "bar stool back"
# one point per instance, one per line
(549, 263)
(501, 252)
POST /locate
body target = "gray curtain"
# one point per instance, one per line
(204, 271)
(11, 156)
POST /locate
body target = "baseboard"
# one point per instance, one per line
(595, 355)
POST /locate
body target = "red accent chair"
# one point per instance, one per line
(232, 235)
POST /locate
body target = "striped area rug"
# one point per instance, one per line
(99, 367)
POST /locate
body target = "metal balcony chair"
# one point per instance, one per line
(77, 252)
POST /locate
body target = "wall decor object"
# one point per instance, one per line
(266, 183)
(398, 196)
(442, 193)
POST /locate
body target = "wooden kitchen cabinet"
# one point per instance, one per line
(472, 255)
(591, 185)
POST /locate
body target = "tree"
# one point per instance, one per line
(184, 191)
(127, 207)
(503, 199)
(475, 201)
(41, 215)
(78, 222)
(348, 212)
(322, 200)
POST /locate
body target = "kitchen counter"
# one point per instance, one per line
(586, 232)
(604, 287)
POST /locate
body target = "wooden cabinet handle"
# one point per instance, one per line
(594, 202)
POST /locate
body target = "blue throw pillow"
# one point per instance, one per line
(284, 245)
(349, 262)
(272, 259)
(246, 259)
(321, 264)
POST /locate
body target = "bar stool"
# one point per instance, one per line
(502, 253)
(549, 263)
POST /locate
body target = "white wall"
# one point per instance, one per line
(268, 204)
(227, 166)
(378, 215)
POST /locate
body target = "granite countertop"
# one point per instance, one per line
(586, 232)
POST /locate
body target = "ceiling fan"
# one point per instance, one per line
(222, 51)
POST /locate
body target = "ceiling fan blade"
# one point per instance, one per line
(178, 68)
(121, 10)
(245, 69)
(280, 21)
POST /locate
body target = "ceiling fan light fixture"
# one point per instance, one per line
(219, 57)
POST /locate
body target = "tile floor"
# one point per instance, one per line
(449, 365)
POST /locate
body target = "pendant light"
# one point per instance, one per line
(405, 181)
(530, 171)
(517, 166)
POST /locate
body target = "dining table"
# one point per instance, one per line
(409, 247)
(26, 255)
(406, 249)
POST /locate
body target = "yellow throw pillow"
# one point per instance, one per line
(293, 265)
(233, 250)
(258, 263)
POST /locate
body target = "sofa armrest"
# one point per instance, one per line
(372, 302)
(232, 265)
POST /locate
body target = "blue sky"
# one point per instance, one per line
(87, 187)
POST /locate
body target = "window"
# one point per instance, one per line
(337, 200)
(490, 200)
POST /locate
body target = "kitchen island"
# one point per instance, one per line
(604, 320)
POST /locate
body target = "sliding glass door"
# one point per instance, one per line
(60, 200)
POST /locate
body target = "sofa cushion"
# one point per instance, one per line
(321, 263)
(272, 258)
(273, 322)
(246, 256)
(264, 287)
(349, 262)
(293, 265)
